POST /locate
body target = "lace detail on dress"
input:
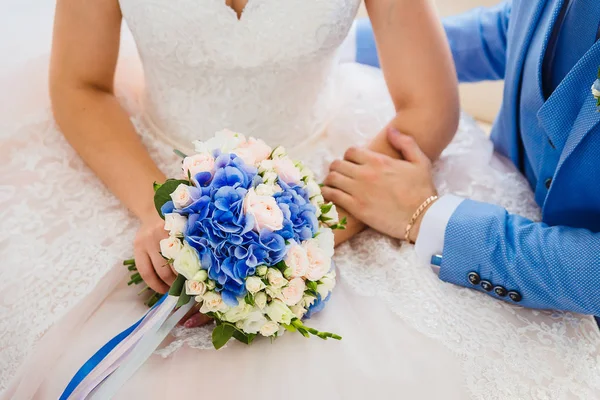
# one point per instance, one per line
(267, 74)
(502, 345)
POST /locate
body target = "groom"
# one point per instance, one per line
(548, 53)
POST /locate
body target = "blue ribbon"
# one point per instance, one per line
(101, 355)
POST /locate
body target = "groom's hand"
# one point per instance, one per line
(381, 191)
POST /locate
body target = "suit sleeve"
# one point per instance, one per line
(550, 267)
(478, 40)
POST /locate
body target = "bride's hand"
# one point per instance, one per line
(151, 265)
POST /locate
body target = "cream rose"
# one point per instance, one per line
(238, 313)
(260, 299)
(279, 312)
(203, 162)
(275, 278)
(170, 247)
(296, 260)
(298, 311)
(287, 171)
(175, 224)
(293, 292)
(187, 263)
(253, 322)
(269, 329)
(253, 151)
(264, 210)
(195, 288)
(326, 241)
(181, 196)
(212, 302)
(319, 263)
(254, 284)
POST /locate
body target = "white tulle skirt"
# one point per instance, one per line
(406, 334)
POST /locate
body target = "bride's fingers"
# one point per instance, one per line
(162, 268)
(340, 198)
(196, 320)
(146, 270)
(339, 181)
(345, 168)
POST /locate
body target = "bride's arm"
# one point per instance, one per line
(420, 75)
(84, 55)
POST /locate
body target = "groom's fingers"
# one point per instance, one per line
(339, 181)
(339, 198)
(345, 168)
(407, 146)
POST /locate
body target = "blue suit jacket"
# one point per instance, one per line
(554, 264)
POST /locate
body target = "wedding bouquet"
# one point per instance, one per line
(250, 237)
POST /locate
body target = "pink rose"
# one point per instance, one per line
(197, 163)
(293, 292)
(253, 151)
(287, 171)
(297, 260)
(318, 263)
(264, 210)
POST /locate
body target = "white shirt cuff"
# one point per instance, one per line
(430, 241)
(348, 48)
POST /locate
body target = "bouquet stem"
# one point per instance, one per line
(136, 279)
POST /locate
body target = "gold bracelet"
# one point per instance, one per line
(416, 215)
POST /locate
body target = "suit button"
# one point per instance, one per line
(486, 285)
(500, 291)
(474, 278)
(548, 183)
(515, 296)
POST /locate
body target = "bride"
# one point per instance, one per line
(76, 199)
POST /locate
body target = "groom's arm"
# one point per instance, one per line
(477, 38)
(546, 267)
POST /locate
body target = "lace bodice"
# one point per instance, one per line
(266, 74)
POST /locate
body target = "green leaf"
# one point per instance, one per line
(326, 208)
(249, 299)
(246, 338)
(221, 335)
(184, 298)
(598, 72)
(311, 285)
(156, 186)
(163, 193)
(177, 286)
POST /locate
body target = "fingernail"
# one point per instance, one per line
(393, 130)
(189, 323)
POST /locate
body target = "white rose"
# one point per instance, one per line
(200, 276)
(313, 189)
(326, 241)
(210, 285)
(266, 166)
(181, 196)
(270, 177)
(306, 172)
(238, 313)
(273, 292)
(279, 152)
(212, 302)
(307, 301)
(319, 263)
(170, 247)
(187, 263)
(269, 329)
(253, 322)
(298, 311)
(175, 224)
(224, 140)
(326, 286)
(265, 190)
(296, 260)
(254, 284)
(195, 288)
(279, 312)
(332, 215)
(318, 201)
(275, 278)
(260, 299)
(262, 270)
(293, 292)
(203, 162)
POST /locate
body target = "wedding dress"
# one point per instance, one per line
(274, 74)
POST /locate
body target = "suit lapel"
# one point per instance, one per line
(523, 14)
